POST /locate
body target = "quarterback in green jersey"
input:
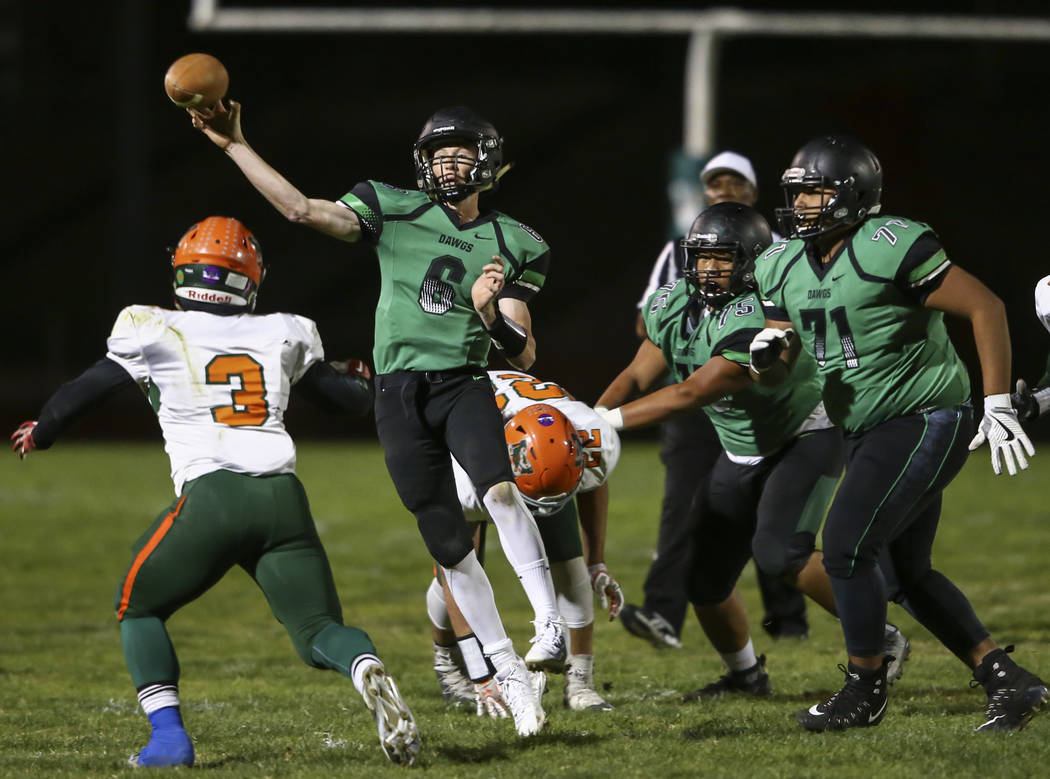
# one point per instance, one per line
(767, 493)
(455, 280)
(864, 296)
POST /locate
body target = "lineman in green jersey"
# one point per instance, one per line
(767, 493)
(866, 295)
(454, 281)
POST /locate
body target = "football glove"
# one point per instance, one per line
(1004, 435)
(611, 415)
(23, 439)
(490, 700)
(608, 590)
(766, 347)
(1024, 402)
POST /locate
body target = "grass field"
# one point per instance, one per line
(67, 707)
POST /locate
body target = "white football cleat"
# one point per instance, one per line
(522, 690)
(580, 693)
(398, 735)
(896, 645)
(548, 651)
(456, 689)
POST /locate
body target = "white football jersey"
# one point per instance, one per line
(1042, 301)
(516, 390)
(219, 384)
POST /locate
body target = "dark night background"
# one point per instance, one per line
(103, 173)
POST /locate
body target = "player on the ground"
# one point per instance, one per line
(562, 453)
(446, 296)
(864, 295)
(219, 378)
(766, 495)
(689, 448)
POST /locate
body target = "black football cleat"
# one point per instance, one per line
(650, 626)
(861, 703)
(1014, 694)
(753, 681)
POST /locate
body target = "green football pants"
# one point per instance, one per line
(222, 519)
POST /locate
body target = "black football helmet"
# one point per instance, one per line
(736, 232)
(461, 125)
(839, 163)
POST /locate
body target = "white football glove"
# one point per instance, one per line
(608, 590)
(1004, 435)
(766, 347)
(490, 700)
(611, 415)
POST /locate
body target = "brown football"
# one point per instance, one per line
(196, 81)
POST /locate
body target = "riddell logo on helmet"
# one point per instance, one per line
(208, 296)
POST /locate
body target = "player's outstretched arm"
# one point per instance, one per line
(964, 295)
(715, 379)
(70, 402)
(222, 126)
(645, 371)
(338, 387)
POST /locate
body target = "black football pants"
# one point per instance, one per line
(889, 505)
(421, 417)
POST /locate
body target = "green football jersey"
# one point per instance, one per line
(757, 421)
(428, 262)
(881, 352)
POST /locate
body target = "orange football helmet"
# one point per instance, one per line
(218, 267)
(546, 455)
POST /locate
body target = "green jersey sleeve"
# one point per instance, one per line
(525, 254)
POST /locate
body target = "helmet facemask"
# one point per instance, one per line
(704, 284)
(483, 173)
(839, 206)
(838, 165)
(458, 126)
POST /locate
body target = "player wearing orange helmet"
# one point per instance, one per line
(561, 453)
(219, 378)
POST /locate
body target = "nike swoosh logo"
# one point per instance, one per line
(836, 278)
(876, 715)
(815, 710)
(483, 237)
(1005, 429)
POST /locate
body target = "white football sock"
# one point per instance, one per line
(470, 587)
(522, 546)
(742, 660)
(358, 666)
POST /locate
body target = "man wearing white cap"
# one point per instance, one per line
(688, 450)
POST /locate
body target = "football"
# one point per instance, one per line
(196, 81)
